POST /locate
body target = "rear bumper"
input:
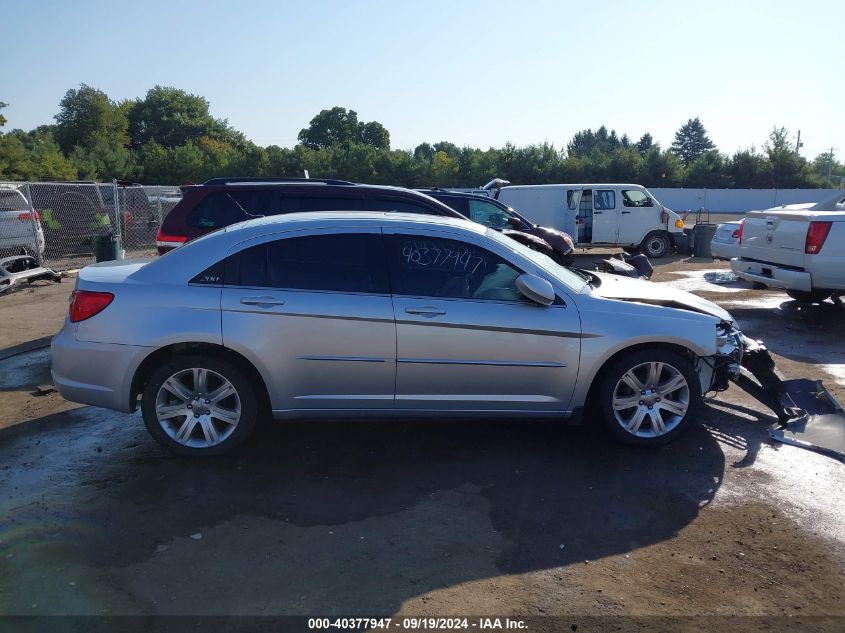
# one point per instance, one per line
(98, 374)
(724, 250)
(771, 275)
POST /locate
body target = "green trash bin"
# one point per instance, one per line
(702, 235)
(106, 247)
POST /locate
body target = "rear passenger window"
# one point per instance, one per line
(337, 262)
(604, 199)
(222, 208)
(297, 204)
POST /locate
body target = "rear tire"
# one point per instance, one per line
(649, 397)
(814, 296)
(656, 245)
(199, 405)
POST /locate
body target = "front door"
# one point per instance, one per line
(605, 217)
(315, 310)
(467, 340)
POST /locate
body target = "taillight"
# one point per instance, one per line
(25, 217)
(84, 304)
(816, 235)
(163, 240)
(738, 233)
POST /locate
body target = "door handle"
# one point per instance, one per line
(426, 311)
(625, 212)
(597, 212)
(262, 301)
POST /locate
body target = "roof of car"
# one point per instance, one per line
(349, 218)
(591, 185)
(291, 183)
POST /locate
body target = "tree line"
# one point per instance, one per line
(170, 137)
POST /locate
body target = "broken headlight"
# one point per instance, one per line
(729, 341)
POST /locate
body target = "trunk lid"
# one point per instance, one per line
(775, 236)
(778, 236)
(108, 273)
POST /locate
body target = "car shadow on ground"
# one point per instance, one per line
(436, 502)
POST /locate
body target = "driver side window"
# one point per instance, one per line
(425, 266)
(635, 198)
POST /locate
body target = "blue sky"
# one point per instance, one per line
(474, 73)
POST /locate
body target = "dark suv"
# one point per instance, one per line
(490, 212)
(220, 202)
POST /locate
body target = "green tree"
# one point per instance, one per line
(374, 134)
(2, 118)
(645, 143)
(87, 117)
(172, 117)
(748, 168)
(444, 170)
(708, 170)
(660, 168)
(424, 153)
(825, 165)
(786, 167)
(691, 141)
(337, 126)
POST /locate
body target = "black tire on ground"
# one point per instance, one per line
(246, 394)
(814, 296)
(656, 244)
(638, 359)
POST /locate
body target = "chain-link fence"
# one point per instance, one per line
(58, 222)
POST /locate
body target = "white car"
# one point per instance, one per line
(801, 251)
(20, 224)
(725, 244)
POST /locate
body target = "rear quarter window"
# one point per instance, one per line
(12, 201)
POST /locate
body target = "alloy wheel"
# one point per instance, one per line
(651, 399)
(197, 407)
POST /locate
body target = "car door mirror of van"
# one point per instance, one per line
(536, 289)
(515, 223)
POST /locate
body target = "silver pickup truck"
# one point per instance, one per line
(800, 249)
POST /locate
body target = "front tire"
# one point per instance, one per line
(656, 244)
(814, 296)
(199, 405)
(649, 397)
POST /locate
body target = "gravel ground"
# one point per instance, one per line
(434, 517)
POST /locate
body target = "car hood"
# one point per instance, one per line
(640, 291)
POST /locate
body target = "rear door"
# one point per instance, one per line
(605, 217)
(314, 309)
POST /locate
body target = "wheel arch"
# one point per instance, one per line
(163, 354)
(662, 232)
(591, 401)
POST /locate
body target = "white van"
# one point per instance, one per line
(600, 214)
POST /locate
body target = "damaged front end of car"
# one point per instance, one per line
(808, 415)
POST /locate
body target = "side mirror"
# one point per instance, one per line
(515, 223)
(536, 289)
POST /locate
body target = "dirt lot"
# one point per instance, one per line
(437, 518)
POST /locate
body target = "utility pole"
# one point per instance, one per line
(798, 143)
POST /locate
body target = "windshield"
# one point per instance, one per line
(570, 279)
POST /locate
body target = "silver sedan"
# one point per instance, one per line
(374, 314)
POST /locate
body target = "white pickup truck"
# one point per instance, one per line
(801, 250)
